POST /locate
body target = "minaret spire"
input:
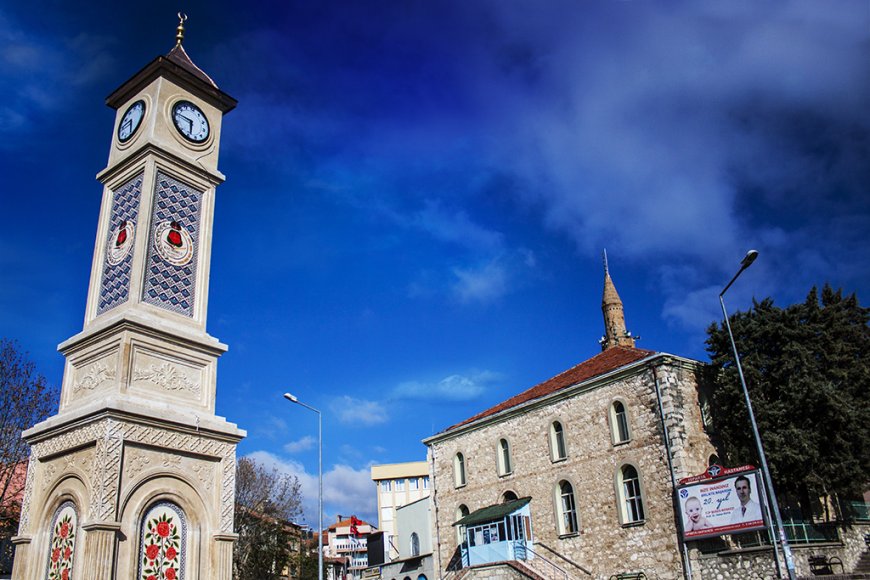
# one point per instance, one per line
(615, 333)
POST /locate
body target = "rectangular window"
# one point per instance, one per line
(414, 484)
(426, 482)
(386, 485)
(400, 485)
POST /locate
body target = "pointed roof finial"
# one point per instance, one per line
(179, 34)
(615, 333)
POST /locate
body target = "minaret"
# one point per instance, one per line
(135, 475)
(615, 333)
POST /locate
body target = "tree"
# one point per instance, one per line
(266, 503)
(25, 399)
(806, 368)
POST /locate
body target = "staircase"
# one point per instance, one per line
(863, 565)
(861, 571)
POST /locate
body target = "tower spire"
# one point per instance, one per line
(615, 333)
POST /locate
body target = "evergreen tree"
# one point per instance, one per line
(806, 368)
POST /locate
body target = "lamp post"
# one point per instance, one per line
(783, 540)
(293, 399)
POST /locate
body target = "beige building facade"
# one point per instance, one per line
(135, 475)
(593, 448)
(397, 484)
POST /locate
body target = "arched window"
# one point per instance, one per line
(713, 460)
(163, 542)
(504, 457)
(421, 577)
(630, 497)
(415, 544)
(61, 549)
(459, 470)
(619, 423)
(566, 508)
(557, 442)
(461, 512)
(508, 496)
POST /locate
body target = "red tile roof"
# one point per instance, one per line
(346, 523)
(602, 363)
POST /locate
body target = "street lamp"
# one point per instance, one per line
(786, 550)
(293, 399)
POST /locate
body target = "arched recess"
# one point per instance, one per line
(63, 537)
(620, 422)
(67, 502)
(503, 459)
(165, 491)
(565, 502)
(461, 512)
(459, 477)
(630, 495)
(163, 549)
(508, 495)
(557, 440)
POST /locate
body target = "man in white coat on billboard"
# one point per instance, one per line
(748, 511)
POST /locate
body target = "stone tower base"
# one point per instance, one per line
(107, 491)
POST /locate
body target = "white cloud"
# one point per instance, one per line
(349, 410)
(481, 284)
(455, 227)
(303, 444)
(345, 490)
(452, 388)
(34, 70)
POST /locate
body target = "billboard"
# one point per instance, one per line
(722, 501)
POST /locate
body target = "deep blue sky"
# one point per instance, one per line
(419, 192)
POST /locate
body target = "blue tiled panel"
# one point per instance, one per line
(167, 285)
(115, 283)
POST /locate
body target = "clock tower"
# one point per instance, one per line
(135, 475)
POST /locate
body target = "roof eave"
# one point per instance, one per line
(565, 392)
(163, 67)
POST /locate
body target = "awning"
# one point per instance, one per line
(493, 512)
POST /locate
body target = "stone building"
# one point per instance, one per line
(135, 475)
(588, 447)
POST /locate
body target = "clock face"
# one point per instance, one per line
(190, 121)
(131, 120)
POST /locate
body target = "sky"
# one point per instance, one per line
(419, 193)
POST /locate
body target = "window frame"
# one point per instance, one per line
(554, 439)
(628, 507)
(504, 459)
(617, 426)
(460, 473)
(566, 518)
